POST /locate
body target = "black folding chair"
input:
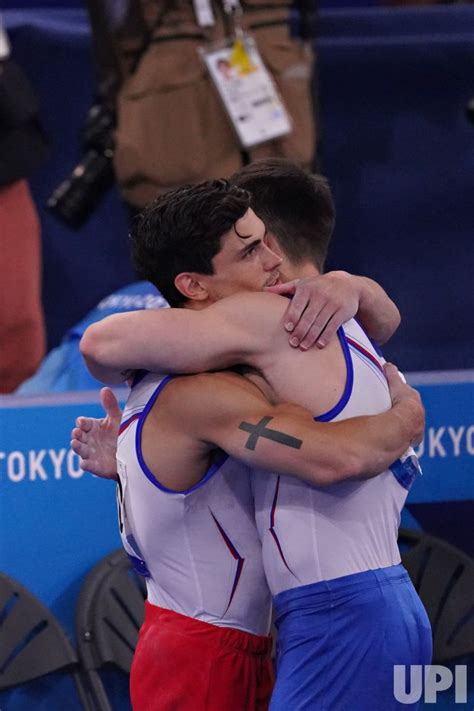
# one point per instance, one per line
(109, 614)
(32, 642)
(443, 576)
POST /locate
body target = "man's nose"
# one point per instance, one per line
(270, 260)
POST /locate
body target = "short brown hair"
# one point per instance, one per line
(296, 206)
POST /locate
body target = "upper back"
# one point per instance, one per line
(313, 379)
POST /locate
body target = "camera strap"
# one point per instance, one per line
(148, 39)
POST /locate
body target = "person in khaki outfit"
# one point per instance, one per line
(171, 126)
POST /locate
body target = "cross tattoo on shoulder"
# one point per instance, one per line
(261, 430)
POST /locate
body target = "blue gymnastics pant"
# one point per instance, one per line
(339, 640)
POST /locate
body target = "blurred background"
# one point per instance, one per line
(382, 104)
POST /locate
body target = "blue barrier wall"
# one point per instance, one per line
(56, 523)
(396, 145)
(442, 500)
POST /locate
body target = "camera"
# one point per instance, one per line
(76, 198)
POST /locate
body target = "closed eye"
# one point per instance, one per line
(251, 251)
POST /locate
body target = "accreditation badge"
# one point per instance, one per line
(247, 91)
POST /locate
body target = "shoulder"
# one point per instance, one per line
(256, 299)
(253, 310)
(207, 395)
(210, 385)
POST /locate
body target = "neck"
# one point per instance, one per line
(196, 305)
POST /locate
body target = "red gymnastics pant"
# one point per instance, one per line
(182, 664)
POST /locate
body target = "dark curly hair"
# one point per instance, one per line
(181, 231)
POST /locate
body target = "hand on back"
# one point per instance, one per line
(408, 401)
(95, 440)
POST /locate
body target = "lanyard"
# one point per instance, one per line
(233, 10)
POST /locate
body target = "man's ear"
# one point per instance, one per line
(191, 286)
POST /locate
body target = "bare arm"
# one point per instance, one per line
(286, 439)
(377, 312)
(355, 447)
(234, 330)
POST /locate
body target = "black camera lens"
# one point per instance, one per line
(78, 196)
(98, 128)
